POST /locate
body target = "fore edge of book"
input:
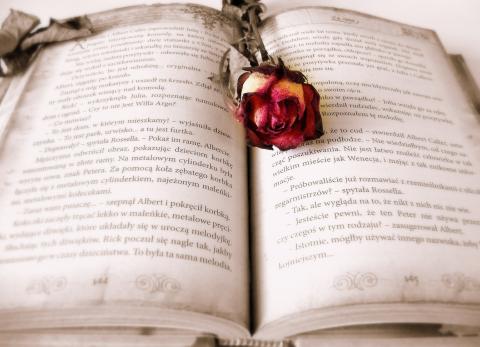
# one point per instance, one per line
(248, 342)
(467, 82)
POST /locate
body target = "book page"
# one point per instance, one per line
(384, 208)
(390, 342)
(123, 178)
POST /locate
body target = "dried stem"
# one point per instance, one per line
(224, 76)
(253, 21)
(247, 13)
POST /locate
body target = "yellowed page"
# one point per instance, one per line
(390, 342)
(123, 180)
(384, 208)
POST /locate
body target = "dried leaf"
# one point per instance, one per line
(236, 64)
(232, 11)
(60, 31)
(14, 28)
(18, 46)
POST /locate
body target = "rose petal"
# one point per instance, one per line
(288, 140)
(284, 89)
(254, 82)
(258, 83)
(254, 139)
(292, 107)
(313, 122)
(260, 116)
(285, 111)
(241, 80)
(240, 113)
(256, 109)
(277, 124)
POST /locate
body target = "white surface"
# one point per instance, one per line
(457, 22)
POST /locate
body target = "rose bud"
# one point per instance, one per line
(277, 107)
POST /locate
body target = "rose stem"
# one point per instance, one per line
(253, 19)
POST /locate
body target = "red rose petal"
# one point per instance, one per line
(240, 113)
(292, 110)
(268, 85)
(254, 139)
(241, 80)
(256, 109)
(288, 140)
(312, 114)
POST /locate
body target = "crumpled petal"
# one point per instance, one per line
(241, 80)
(313, 119)
(284, 89)
(288, 140)
(258, 109)
(257, 83)
(284, 113)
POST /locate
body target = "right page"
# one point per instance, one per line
(379, 219)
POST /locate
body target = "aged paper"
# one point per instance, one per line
(384, 208)
(123, 177)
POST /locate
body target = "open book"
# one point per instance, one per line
(127, 197)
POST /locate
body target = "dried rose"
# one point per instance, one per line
(277, 107)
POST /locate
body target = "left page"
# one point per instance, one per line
(123, 180)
